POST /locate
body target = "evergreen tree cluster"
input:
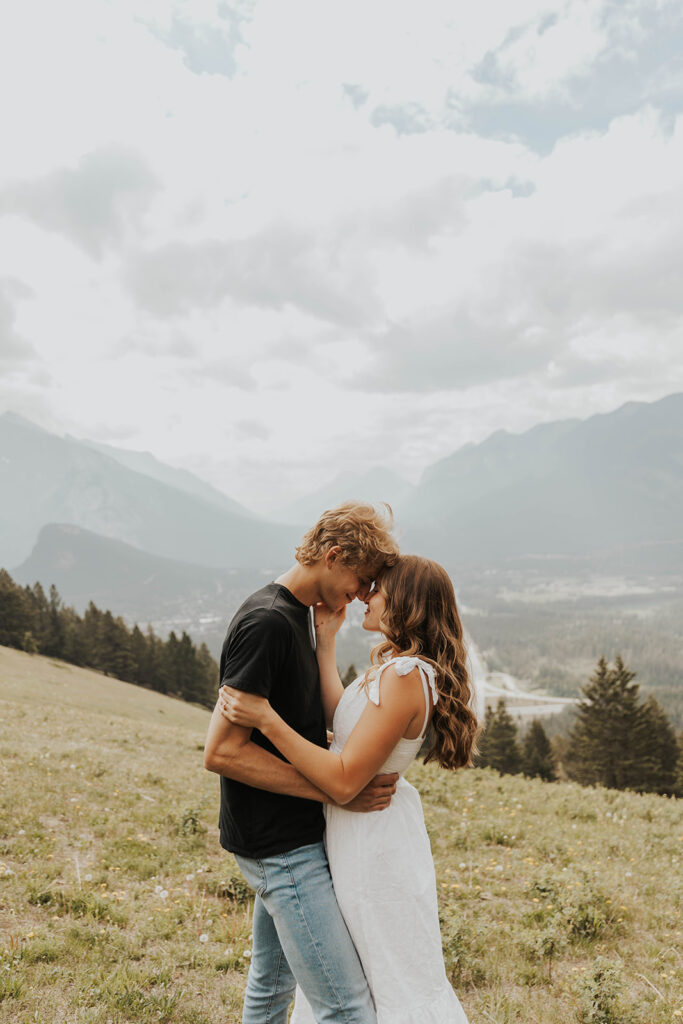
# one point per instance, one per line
(620, 741)
(500, 748)
(617, 740)
(40, 624)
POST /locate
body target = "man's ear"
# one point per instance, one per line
(332, 555)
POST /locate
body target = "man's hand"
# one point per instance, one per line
(376, 796)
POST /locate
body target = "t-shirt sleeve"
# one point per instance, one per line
(256, 652)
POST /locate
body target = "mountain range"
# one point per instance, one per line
(377, 484)
(153, 542)
(49, 479)
(574, 488)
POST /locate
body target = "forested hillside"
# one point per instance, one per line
(36, 623)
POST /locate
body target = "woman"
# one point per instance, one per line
(381, 862)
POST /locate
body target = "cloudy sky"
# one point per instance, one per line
(270, 241)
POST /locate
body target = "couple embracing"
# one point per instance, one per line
(349, 925)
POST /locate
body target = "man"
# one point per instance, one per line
(271, 817)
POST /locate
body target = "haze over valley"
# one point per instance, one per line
(564, 542)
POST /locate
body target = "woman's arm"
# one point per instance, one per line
(327, 624)
(375, 735)
(230, 752)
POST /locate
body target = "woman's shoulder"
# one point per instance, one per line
(411, 668)
(403, 664)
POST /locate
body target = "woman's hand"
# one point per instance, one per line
(244, 709)
(327, 624)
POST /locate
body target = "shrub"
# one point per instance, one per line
(599, 994)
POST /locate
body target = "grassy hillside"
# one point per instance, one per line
(117, 904)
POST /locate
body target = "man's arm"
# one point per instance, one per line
(229, 751)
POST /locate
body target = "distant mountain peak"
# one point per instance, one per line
(18, 420)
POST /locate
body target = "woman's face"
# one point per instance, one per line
(375, 604)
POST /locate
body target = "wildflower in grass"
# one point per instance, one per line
(247, 954)
(158, 889)
(22, 832)
(188, 878)
(163, 895)
(203, 937)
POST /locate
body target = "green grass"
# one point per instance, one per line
(559, 905)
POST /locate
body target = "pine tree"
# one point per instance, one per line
(209, 674)
(74, 637)
(678, 779)
(498, 747)
(660, 751)
(53, 640)
(538, 760)
(15, 620)
(40, 616)
(160, 677)
(607, 740)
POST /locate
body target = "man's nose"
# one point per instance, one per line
(363, 591)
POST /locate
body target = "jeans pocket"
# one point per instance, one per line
(254, 872)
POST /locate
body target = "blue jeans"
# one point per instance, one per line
(299, 935)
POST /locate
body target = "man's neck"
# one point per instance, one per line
(301, 581)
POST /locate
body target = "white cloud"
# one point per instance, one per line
(92, 204)
(228, 216)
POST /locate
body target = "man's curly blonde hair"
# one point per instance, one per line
(362, 532)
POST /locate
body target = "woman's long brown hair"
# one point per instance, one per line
(421, 619)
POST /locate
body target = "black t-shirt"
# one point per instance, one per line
(268, 651)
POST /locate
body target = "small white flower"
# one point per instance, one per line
(609, 814)
(22, 832)
(203, 937)
(158, 889)
(628, 874)
(72, 766)
(163, 895)
(88, 878)
(7, 872)
(247, 954)
(188, 878)
(229, 951)
(573, 826)
(462, 864)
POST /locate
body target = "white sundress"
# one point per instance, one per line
(384, 881)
